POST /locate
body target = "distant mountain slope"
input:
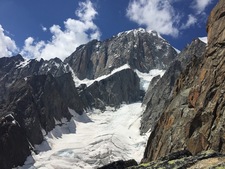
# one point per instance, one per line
(140, 49)
(16, 67)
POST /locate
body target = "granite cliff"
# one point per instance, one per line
(141, 49)
(194, 118)
(159, 93)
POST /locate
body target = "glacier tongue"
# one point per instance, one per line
(98, 138)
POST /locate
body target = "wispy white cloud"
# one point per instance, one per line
(192, 20)
(7, 45)
(154, 14)
(200, 5)
(64, 41)
(44, 28)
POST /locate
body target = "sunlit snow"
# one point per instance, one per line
(88, 82)
(24, 63)
(145, 78)
(92, 140)
(203, 39)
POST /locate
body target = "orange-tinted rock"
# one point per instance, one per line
(193, 97)
(199, 124)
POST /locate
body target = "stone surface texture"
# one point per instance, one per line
(195, 118)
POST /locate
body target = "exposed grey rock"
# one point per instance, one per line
(159, 94)
(10, 71)
(16, 67)
(39, 100)
(140, 49)
(54, 66)
(197, 124)
(69, 93)
(121, 87)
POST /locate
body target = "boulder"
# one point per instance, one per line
(120, 164)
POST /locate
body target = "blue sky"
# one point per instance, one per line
(54, 28)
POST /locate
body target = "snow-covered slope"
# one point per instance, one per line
(92, 140)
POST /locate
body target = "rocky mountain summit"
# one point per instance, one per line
(141, 49)
(194, 118)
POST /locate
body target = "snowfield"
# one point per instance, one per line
(92, 140)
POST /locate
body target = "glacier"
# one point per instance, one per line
(95, 138)
(92, 140)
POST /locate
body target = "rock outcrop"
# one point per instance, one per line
(160, 92)
(194, 120)
(16, 67)
(120, 164)
(140, 49)
(121, 87)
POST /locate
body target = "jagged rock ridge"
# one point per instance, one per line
(14, 68)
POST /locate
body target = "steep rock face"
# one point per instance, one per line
(194, 120)
(14, 147)
(123, 86)
(160, 93)
(39, 100)
(16, 67)
(54, 66)
(69, 93)
(140, 49)
(10, 70)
